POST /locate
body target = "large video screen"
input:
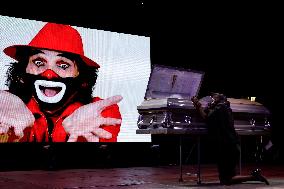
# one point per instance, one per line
(62, 83)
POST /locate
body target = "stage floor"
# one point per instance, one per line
(133, 177)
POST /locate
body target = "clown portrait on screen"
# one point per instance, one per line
(50, 92)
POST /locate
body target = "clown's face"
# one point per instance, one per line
(51, 65)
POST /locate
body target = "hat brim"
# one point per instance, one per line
(13, 50)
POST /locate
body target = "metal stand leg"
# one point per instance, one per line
(240, 158)
(198, 159)
(180, 158)
(259, 150)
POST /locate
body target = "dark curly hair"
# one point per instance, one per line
(17, 78)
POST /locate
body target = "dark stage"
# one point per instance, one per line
(132, 177)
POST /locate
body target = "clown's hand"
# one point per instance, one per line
(14, 114)
(86, 121)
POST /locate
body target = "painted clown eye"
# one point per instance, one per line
(63, 66)
(38, 62)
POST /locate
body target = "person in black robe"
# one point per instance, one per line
(220, 122)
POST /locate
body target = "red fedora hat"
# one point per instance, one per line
(57, 37)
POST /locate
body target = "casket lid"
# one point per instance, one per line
(172, 82)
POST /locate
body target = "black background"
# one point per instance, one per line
(237, 45)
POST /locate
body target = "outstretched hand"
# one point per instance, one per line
(86, 121)
(14, 114)
(195, 102)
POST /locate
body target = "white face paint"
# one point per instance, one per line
(49, 91)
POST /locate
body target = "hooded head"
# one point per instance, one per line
(218, 99)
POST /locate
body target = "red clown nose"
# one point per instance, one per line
(49, 74)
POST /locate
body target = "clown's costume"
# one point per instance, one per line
(50, 92)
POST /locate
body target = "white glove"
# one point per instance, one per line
(14, 114)
(86, 121)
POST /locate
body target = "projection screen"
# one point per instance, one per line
(54, 110)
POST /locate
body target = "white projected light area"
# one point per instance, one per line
(124, 61)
